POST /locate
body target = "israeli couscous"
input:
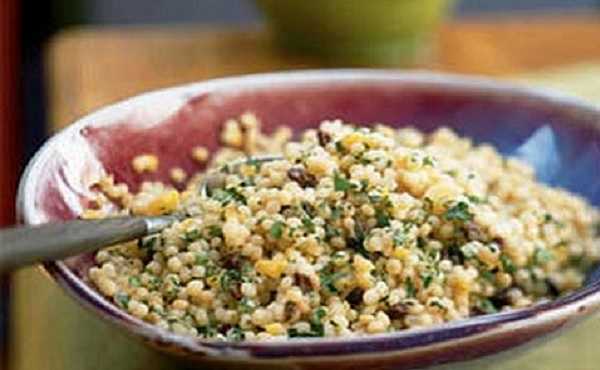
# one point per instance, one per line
(356, 231)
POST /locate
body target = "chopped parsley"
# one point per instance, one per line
(316, 326)
(277, 229)
(331, 232)
(427, 280)
(382, 217)
(399, 237)
(507, 264)
(459, 212)
(191, 235)
(229, 277)
(134, 281)
(341, 183)
(235, 334)
(215, 231)
(226, 196)
(246, 305)
(410, 288)
(122, 299)
(486, 306)
(308, 224)
(254, 162)
(541, 256)
(428, 161)
(328, 280)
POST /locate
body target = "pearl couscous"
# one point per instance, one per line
(356, 231)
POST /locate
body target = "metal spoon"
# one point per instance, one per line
(26, 245)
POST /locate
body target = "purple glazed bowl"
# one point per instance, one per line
(170, 122)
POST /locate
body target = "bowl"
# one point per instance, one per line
(357, 32)
(169, 122)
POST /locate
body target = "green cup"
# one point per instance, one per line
(358, 32)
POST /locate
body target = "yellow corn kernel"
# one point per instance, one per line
(401, 253)
(164, 203)
(271, 268)
(355, 137)
(274, 329)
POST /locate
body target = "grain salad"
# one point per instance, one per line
(355, 231)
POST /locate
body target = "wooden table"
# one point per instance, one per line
(89, 67)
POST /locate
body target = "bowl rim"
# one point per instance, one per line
(581, 302)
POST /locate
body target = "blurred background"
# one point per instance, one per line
(63, 58)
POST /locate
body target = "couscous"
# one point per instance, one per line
(356, 231)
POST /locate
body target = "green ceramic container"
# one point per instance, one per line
(358, 32)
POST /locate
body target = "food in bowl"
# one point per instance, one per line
(355, 231)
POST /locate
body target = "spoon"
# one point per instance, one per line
(27, 245)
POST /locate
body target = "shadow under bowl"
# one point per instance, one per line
(170, 122)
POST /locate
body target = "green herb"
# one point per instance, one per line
(399, 237)
(336, 212)
(277, 229)
(548, 218)
(308, 224)
(438, 304)
(254, 162)
(294, 333)
(122, 299)
(340, 183)
(507, 264)
(459, 212)
(427, 161)
(339, 147)
(135, 281)
(148, 243)
(328, 280)
(226, 196)
(382, 217)
(191, 235)
(541, 256)
(215, 231)
(201, 259)
(475, 199)
(451, 173)
(331, 232)
(427, 280)
(316, 326)
(410, 288)
(486, 306)
(207, 331)
(489, 276)
(246, 305)
(235, 334)
(155, 282)
(229, 277)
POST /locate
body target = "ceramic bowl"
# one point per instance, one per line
(170, 122)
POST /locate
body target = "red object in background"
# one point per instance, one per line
(9, 143)
(9, 96)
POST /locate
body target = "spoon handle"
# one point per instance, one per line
(30, 244)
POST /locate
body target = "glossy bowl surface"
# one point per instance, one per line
(170, 122)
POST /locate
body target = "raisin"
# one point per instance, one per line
(324, 138)
(355, 297)
(397, 311)
(302, 177)
(303, 282)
